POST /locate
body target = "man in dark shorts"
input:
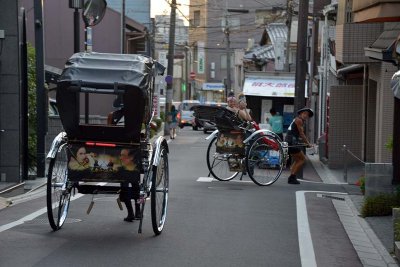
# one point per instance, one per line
(295, 136)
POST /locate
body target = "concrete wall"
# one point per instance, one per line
(345, 123)
(9, 93)
(384, 115)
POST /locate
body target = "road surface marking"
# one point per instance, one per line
(31, 216)
(307, 254)
(205, 179)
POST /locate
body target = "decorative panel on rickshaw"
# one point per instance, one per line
(126, 76)
(231, 142)
(103, 162)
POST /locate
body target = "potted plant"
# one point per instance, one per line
(361, 183)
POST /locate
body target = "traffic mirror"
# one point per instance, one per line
(93, 12)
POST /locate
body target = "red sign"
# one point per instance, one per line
(192, 75)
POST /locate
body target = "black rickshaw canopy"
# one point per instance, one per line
(105, 69)
(127, 76)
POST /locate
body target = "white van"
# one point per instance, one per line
(185, 115)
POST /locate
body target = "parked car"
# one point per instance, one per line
(185, 115)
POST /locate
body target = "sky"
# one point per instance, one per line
(158, 7)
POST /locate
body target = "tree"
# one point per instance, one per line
(31, 107)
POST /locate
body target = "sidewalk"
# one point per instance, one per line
(372, 237)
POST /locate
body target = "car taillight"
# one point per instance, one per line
(178, 116)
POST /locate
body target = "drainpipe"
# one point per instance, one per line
(324, 89)
(365, 90)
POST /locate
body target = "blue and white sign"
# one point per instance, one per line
(213, 87)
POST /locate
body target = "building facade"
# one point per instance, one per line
(138, 10)
(10, 77)
(359, 96)
(219, 31)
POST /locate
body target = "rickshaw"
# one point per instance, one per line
(241, 147)
(106, 157)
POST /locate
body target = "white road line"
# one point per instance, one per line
(205, 179)
(31, 216)
(307, 254)
(210, 179)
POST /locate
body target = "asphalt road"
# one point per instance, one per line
(235, 223)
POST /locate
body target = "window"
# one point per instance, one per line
(196, 20)
(195, 53)
(223, 61)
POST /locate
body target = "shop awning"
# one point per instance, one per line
(266, 86)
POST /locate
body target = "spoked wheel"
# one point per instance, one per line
(263, 162)
(58, 193)
(159, 192)
(218, 163)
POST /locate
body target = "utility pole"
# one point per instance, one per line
(301, 63)
(289, 11)
(228, 58)
(187, 95)
(170, 68)
(41, 99)
(123, 27)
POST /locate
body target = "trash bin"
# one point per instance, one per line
(322, 147)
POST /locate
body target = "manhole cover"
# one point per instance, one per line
(46, 221)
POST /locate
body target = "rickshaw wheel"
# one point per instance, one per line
(58, 194)
(218, 163)
(264, 164)
(159, 192)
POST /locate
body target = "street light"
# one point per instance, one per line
(76, 4)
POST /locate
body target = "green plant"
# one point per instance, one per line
(158, 122)
(380, 205)
(361, 183)
(397, 231)
(31, 107)
(389, 144)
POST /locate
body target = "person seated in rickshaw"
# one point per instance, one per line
(239, 107)
(243, 113)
